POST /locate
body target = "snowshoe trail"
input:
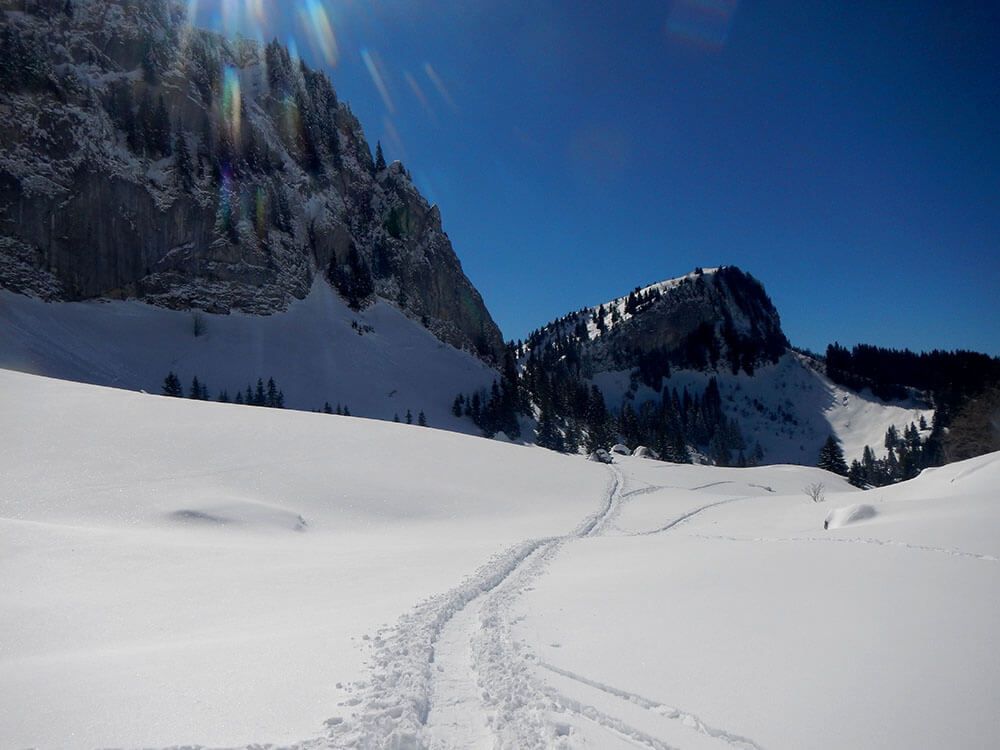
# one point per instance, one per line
(449, 674)
(457, 718)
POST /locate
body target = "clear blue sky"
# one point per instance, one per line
(846, 154)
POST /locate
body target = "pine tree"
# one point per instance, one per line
(172, 386)
(259, 397)
(161, 128)
(456, 407)
(409, 417)
(422, 419)
(379, 157)
(145, 124)
(195, 388)
(182, 162)
(395, 417)
(327, 409)
(831, 457)
(856, 474)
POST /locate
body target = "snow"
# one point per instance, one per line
(178, 572)
(749, 616)
(127, 619)
(790, 408)
(311, 350)
(840, 517)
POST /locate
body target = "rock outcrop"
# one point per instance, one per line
(709, 319)
(144, 158)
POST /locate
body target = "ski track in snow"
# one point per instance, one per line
(689, 515)
(854, 540)
(450, 674)
(688, 719)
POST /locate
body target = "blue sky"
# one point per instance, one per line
(846, 154)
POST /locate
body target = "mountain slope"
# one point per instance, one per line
(143, 158)
(376, 361)
(657, 351)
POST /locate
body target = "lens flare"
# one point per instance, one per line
(393, 138)
(261, 206)
(419, 93)
(372, 62)
(439, 85)
(703, 23)
(316, 22)
(232, 102)
(226, 187)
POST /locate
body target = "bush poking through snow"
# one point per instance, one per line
(815, 492)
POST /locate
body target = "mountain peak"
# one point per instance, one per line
(706, 319)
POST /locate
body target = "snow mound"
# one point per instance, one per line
(241, 514)
(840, 517)
(643, 452)
(620, 449)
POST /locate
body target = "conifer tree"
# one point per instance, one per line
(409, 417)
(172, 386)
(831, 457)
(161, 128)
(422, 419)
(182, 162)
(379, 157)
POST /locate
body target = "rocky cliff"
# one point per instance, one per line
(143, 158)
(709, 319)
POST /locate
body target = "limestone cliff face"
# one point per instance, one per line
(709, 319)
(140, 157)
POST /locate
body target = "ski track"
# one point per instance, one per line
(854, 540)
(687, 516)
(423, 691)
(668, 712)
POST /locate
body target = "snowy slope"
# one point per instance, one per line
(184, 572)
(311, 350)
(746, 625)
(789, 408)
(177, 572)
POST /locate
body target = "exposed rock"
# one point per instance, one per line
(142, 158)
(706, 320)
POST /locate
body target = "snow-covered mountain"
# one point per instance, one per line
(181, 573)
(718, 324)
(173, 201)
(145, 159)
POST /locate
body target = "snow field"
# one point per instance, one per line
(774, 633)
(156, 587)
(182, 572)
